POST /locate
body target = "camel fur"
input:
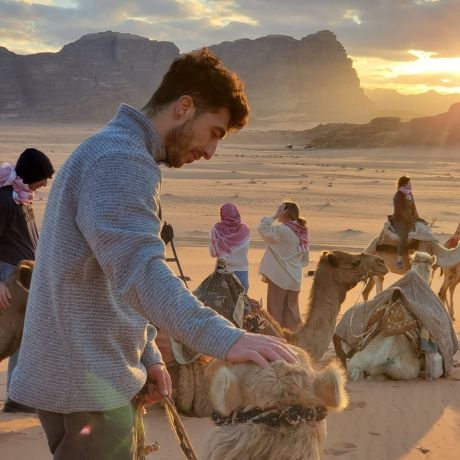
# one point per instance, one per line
(451, 279)
(394, 356)
(278, 386)
(336, 273)
(12, 318)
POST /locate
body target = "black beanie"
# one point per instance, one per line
(33, 166)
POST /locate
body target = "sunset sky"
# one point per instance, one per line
(409, 45)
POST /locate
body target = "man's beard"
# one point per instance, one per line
(178, 142)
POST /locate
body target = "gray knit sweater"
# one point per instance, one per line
(100, 274)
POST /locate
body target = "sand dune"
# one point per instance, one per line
(345, 196)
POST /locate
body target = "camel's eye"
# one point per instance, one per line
(356, 262)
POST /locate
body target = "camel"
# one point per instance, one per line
(12, 318)
(451, 279)
(395, 356)
(337, 272)
(272, 413)
(445, 257)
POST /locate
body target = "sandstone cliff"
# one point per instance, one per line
(311, 79)
(437, 130)
(84, 81)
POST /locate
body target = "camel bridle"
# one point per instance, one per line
(274, 417)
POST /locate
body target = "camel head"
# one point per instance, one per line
(422, 263)
(352, 268)
(19, 284)
(280, 385)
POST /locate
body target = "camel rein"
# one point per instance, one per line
(175, 423)
(21, 286)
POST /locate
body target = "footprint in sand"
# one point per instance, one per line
(341, 448)
(356, 405)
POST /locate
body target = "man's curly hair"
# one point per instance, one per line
(202, 76)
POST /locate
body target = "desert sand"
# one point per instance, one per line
(345, 196)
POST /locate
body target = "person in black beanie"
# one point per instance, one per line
(18, 231)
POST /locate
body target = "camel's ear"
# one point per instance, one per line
(25, 273)
(433, 259)
(332, 259)
(225, 391)
(329, 386)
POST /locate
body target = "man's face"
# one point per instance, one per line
(196, 137)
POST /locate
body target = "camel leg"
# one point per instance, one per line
(368, 288)
(451, 303)
(379, 283)
(337, 341)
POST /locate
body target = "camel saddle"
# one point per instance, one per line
(223, 292)
(393, 317)
(420, 232)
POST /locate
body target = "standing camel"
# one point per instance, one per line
(451, 279)
(445, 257)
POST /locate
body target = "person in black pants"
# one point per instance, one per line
(404, 216)
(18, 232)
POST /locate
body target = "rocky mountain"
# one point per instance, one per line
(409, 106)
(312, 77)
(437, 130)
(308, 79)
(86, 80)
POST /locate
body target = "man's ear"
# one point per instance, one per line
(184, 108)
(225, 391)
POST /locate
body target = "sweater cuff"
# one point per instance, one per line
(151, 354)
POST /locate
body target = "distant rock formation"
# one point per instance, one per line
(410, 106)
(311, 78)
(84, 81)
(437, 130)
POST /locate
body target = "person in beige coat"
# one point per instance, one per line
(285, 256)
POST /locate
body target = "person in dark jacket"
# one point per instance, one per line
(404, 216)
(18, 232)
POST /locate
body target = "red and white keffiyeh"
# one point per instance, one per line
(302, 233)
(230, 234)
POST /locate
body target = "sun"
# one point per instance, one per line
(422, 71)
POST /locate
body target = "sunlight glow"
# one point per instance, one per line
(218, 13)
(353, 15)
(438, 74)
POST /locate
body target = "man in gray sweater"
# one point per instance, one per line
(101, 275)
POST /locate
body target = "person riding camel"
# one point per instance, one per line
(404, 216)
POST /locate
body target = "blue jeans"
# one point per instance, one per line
(244, 279)
(5, 272)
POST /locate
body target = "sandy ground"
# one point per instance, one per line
(345, 196)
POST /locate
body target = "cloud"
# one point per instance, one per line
(368, 29)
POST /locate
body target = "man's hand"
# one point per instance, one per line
(159, 384)
(260, 349)
(5, 296)
(167, 233)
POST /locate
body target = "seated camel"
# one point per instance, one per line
(272, 413)
(12, 318)
(397, 355)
